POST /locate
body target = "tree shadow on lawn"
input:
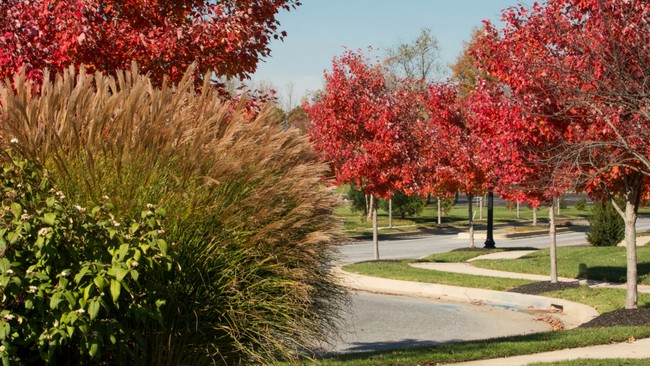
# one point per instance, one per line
(612, 274)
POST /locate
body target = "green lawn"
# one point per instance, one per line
(491, 348)
(596, 263)
(400, 270)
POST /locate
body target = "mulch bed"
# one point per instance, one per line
(536, 288)
(621, 317)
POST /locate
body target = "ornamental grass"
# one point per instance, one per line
(249, 221)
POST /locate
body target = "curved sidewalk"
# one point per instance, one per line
(571, 314)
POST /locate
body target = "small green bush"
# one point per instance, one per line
(358, 200)
(74, 281)
(447, 204)
(607, 227)
(581, 205)
(405, 205)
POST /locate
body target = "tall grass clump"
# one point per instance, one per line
(248, 219)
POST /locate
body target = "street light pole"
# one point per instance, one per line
(489, 242)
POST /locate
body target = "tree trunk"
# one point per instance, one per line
(634, 187)
(518, 210)
(439, 212)
(390, 213)
(534, 216)
(558, 206)
(471, 221)
(630, 244)
(375, 229)
(480, 208)
(368, 207)
(552, 235)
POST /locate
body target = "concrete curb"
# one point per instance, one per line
(570, 313)
(514, 235)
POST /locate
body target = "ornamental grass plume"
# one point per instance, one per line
(249, 220)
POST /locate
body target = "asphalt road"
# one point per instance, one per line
(423, 246)
(381, 322)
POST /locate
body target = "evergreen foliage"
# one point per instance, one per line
(606, 225)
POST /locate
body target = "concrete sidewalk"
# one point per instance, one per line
(638, 349)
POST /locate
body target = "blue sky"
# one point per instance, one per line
(319, 29)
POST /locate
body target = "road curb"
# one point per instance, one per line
(570, 313)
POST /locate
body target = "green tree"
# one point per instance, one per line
(606, 225)
(404, 204)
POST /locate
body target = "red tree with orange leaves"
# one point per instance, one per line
(366, 129)
(163, 36)
(582, 68)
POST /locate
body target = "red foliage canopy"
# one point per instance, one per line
(581, 67)
(366, 128)
(455, 152)
(163, 36)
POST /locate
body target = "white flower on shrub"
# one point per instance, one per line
(9, 317)
(2, 348)
(80, 209)
(25, 217)
(134, 264)
(32, 289)
(80, 311)
(14, 140)
(149, 206)
(9, 271)
(65, 273)
(44, 231)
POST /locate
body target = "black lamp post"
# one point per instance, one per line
(489, 242)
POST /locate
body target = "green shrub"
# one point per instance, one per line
(75, 282)
(249, 220)
(607, 227)
(581, 205)
(447, 204)
(405, 205)
(358, 200)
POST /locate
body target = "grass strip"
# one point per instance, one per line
(596, 263)
(400, 270)
(492, 348)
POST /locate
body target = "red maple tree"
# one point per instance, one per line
(453, 153)
(163, 36)
(582, 67)
(521, 153)
(365, 128)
